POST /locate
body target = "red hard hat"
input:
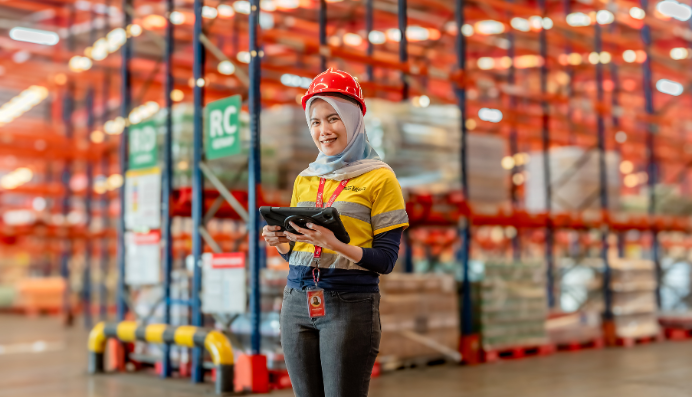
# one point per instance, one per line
(332, 80)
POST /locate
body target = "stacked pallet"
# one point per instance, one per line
(511, 306)
(422, 146)
(634, 298)
(420, 318)
(575, 177)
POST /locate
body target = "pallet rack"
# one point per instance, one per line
(299, 44)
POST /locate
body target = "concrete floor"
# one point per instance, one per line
(656, 370)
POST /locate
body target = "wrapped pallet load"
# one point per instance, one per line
(511, 307)
(420, 318)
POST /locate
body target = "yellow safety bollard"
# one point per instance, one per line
(215, 342)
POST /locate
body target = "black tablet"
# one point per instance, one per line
(326, 217)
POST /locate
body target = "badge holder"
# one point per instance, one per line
(316, 306)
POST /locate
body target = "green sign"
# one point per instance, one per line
(222, 128)
(143, 149)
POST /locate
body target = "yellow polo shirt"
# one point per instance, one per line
(370, 204)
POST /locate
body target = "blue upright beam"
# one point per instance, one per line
(105, 169)
(650, 144)
(615, 120)
(88, 248)
(369, 14)
(68, 109)
(86, 275)
(197, 185)
(464, 227)
(567, 7)
(323, 33)
(254, 102)
(603, 181)
(167, 187)
(545, 135)
(403, 46)
(125, 105)
(513, 142)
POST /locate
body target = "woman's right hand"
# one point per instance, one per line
(274, 236)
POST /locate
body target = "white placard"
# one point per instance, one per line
(143, 258)
(143, 199)
(224, 288)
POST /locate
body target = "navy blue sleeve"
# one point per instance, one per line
(287, 255)
(382, 257)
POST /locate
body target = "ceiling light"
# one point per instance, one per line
(605, 57)
(114, 181)
(21, 56)
(226, 67)
(631, 180)
(291, 80)
(547, 23)
(489, 27)
(394, 35)
(97, 136)
(574, 59)
(16, 178)
(605, 17)
(629, 56)
(134, 30)
(578, 19)
(673, 9)
(209, 12)
(225, 11)
(154, 21)
(679, 53)
(267, 5)
(669, 87)
(485, 63)
(520, 24)
(417, 33)
(242, 7)
(288, 4)
(38, 203)
(177, 95)
(177, 18)
(352, 39)
(467, 30)
(491, 115)
(35, 36)
(266, 20)
(424, 101)
(637, 13)
(243, 56)
(536, 22)
(626, 167)
(20, 104)
(508, 162)
(377, 37)
(471, 124)
(621, 137)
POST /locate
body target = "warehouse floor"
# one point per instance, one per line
(58, 369)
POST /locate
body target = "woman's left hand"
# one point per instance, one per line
(315, 235)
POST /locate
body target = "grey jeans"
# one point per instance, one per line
(331, 356)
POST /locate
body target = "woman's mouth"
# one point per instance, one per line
(328, 141)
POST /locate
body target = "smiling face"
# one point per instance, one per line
(327, 129)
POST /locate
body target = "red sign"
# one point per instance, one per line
(228, 260)
(153, 237)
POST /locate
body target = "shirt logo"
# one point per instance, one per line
(354, 189)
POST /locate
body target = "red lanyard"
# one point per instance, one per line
(319, 203)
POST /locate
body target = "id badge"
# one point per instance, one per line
(316, 302)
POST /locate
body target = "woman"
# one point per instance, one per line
(330, 344)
